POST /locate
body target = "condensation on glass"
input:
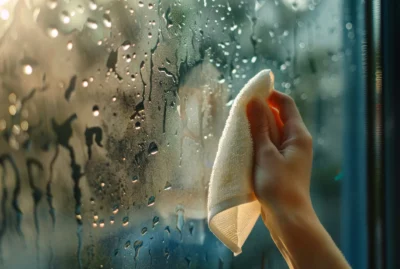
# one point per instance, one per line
(110, 115)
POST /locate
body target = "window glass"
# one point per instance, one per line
(111, 112)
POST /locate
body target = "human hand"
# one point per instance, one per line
(282, 167)
(281, 178)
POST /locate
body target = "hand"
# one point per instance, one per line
(281, 177)
(282, 168)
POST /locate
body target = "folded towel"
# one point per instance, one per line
(232, 206)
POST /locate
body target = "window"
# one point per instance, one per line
(110, 117)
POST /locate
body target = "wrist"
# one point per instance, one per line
(288, 205)
(299, 235)
(289, 216)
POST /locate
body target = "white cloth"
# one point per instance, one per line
(232, 206)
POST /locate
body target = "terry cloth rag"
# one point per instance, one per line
(232, 206)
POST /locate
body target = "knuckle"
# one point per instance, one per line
(305, 141)
(288, 100)
(266, 151)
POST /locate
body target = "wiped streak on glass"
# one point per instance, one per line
(64, 133)
(37, 196)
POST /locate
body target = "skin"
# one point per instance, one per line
(281, 179)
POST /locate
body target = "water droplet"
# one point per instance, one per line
(13, 143)
(80, 9)
(12, 110)
(141, 4)
(96, 111)
(151, 6)
(137, 125)
(64, 17)
(349, 26)
(220, 264)
(137, 245)
(167, 186)
(112, 220)
(27, 69)
(271, 34)
(221, 79)
(180, 219)
(115, 209)
(144, 230)
(107, 20)
(92, 24)
(150, 35)
(127, 244)
(156, 220)
(52, 4)
(114, 98)
(3, 124)
(94, 224)
(125, 221)
(126, 45)
(166, 253)
(135, 179)
(92, 5)
(53, 32)
(12, 98)
(4, 14)
(101, 224)
(283, 67)
(294, 5)
(16, 130)
(191, 228)
(253, 59)
(85, 83)
(151, 201)
(189, 261)
(167, 230)
(70, 45)
(153, 148)
(24, 125)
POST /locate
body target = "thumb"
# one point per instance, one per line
(257, 114)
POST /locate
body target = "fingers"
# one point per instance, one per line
(264, 148)
(257, 115)
(293, 124)
(295, 132)
(278, 120)
(286, 106)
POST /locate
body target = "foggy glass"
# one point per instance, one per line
(111, 112)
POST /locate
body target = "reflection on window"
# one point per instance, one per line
(110, 115)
